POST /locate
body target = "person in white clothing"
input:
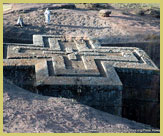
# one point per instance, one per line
(47, 16)
(20, 22)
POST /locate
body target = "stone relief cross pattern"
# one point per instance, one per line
(70, 61)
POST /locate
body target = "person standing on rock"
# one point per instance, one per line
(47, 16)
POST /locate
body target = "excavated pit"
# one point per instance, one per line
(25, 77)
(22, 76)
(134, 96)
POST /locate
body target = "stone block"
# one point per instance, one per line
(63, 64)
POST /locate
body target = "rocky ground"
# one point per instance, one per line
(74, 21)
(25, 112)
